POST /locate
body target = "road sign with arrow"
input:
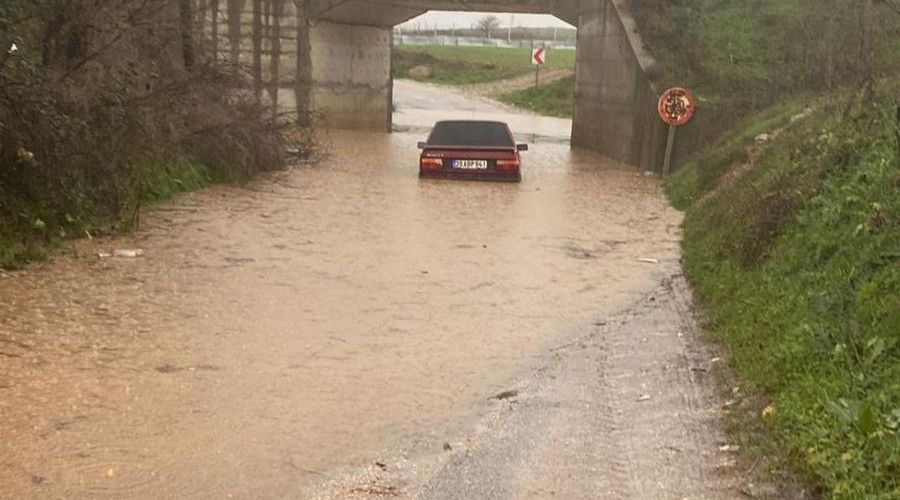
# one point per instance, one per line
(539, 56)
(538, 59)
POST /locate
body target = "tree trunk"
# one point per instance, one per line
(187, 32)
(257, 48)
(214, 20)
(201, 26)
(302, 74)
(235, 9)
(277, 14)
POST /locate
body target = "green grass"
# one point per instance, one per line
(470, 65)
(556, 98)
(165, 181)
(798, 266)
(27, 235)
(703, 171)
(749, 54)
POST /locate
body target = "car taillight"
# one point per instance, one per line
(431, 164)
(507, 165)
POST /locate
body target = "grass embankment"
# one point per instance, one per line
(556, 98)
(470, 65)
(798, 265)
(748, 55)
(29, 232)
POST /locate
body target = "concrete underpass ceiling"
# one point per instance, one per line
(371, 13)
(388, 13)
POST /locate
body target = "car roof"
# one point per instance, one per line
(474, 133)
(492, 122)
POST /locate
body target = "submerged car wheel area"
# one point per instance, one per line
(473, 150)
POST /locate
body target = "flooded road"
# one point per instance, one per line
(278, 337)
(418, 106)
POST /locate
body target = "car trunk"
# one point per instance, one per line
(460, 159)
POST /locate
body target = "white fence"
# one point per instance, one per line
(468, 41)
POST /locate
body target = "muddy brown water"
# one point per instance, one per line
(277, 335)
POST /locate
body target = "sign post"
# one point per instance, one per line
(676, 107)
(670, 145)
(538, 58)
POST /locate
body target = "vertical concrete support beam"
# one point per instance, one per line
(350, 78)
(614, 98)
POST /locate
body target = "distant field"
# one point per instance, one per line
(470, 65)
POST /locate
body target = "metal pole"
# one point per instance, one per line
(537, 74)
(670, 144)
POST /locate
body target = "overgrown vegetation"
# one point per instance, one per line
(798, 263)
(556, 98)
(98, 115)
(470, 65)
(750, 54)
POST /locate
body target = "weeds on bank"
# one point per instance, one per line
(556, 98)
(798, 263)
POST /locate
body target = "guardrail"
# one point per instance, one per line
(468, 41)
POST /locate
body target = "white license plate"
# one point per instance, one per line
(470, 164)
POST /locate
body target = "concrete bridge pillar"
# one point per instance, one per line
(349, 80)
(614, 98)
(334, 57)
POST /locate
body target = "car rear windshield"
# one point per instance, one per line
(478, 134)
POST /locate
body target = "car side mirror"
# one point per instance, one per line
(522, 147)
(422, 145)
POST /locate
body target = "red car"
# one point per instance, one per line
(468, 149)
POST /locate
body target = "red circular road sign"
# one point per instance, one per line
(677, 106)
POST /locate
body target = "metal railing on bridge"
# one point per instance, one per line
(469, 41)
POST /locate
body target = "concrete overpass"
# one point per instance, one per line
(334, 57)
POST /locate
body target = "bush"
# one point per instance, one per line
(76, 155)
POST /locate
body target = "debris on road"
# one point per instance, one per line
(506, 395)
(381, 465)
(447, 447)
(122, 254)
(644, 397)
(646, 260)
(759, 491)
(128, 253)
(729, 447)
(377, 490)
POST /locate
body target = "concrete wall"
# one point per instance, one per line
(340, 71)
(614, 98)
(351, 81)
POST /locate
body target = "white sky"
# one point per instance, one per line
(443, 19)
